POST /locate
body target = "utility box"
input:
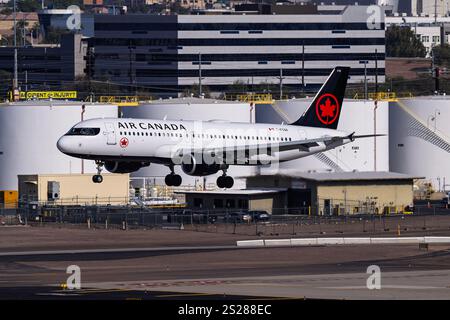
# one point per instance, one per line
(53, 190)
(9, 198)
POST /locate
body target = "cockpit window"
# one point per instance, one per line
(83, 132)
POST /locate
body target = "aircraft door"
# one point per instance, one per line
(302, 134)
(110, 133)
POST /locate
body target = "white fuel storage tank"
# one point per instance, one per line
(420, 138)
(29, 131)
(358, 116)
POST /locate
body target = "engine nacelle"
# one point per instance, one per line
(192, 168)
(124, 167)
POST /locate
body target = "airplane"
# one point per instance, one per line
(202, 148)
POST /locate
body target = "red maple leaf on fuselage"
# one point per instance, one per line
(327, 109)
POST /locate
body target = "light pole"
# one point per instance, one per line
(15, 82)
(365, 77)
(200, 75)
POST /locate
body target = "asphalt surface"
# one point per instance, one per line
(217, 271)
(55, 293)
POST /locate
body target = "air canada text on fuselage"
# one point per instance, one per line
(151, 126)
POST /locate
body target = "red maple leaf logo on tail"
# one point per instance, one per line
(327, 109)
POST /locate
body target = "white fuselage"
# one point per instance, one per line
(120, 139)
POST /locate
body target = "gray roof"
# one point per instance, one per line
(345, 176)
(247, 192)
(194, 100)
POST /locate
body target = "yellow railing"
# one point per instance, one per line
(120, 100)
(385, 96)
(251, 97)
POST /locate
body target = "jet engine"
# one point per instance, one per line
(193, 168)
(124, 167)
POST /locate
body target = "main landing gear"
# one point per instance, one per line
(98, 177)
(172, 179)
(225, 181)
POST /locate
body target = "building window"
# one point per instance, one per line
(436, 39)
(425, 38)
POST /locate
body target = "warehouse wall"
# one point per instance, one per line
(384, 195)
(78, 188)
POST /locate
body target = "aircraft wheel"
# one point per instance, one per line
(176, 180)
(169, 180)
(221, 182)
(228, 181)
(97, 178)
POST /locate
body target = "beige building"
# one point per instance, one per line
(336, 193)
(72, 189)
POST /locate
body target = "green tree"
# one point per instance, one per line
(26, 5)
(63, 4)
(195, 89)
(53, 35)
(402, 42)
(6, 10)
(238, 87)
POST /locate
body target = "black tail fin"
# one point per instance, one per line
(325, 110)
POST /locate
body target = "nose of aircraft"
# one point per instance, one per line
(62, 144)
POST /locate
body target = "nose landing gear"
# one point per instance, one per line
(98, 178)
(172, 179)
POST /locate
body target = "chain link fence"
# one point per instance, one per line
(298, 221)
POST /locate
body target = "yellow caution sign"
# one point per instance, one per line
(48, 94)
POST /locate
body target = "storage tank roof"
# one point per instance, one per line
(53, 103)
(194, 100)
(346, 176)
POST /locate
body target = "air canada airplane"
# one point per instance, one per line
(206, 147)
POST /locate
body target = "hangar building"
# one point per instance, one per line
(333, 193)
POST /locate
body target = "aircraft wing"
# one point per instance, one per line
(269, 148)
(302, 145)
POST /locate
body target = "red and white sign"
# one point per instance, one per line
(124, 142)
